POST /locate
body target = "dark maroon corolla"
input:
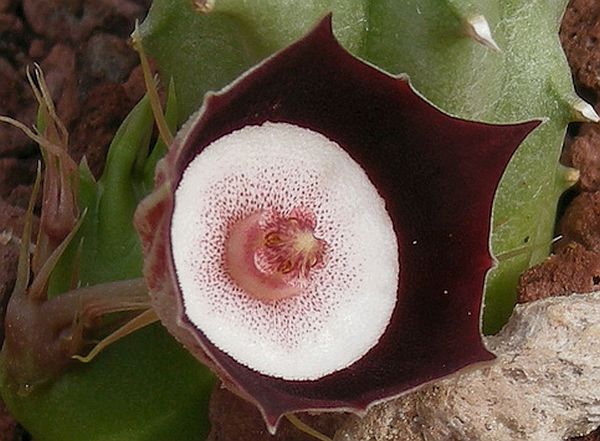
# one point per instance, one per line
(319, 234)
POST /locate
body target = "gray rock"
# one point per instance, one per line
(544, 385)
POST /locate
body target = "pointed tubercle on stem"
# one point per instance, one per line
(204, 6)
(478, 28)
(584, 112)
(568, 176)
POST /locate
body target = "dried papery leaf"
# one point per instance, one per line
(61, 308)
(434, 177)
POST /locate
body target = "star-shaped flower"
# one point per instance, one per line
(319, 233)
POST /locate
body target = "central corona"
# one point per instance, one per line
(271, 256)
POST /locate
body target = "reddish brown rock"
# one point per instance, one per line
(234, 419)
(12, 219)
(584, 155)
(572, 269)
(60, 72)
(19, 196)
(76, 20)
(9, 22)
(135, 86)
(6, 5)
(117, 15)
(101, 115)
(580, 36)
(581, 222)
(55, 19)
(37, 49)
(14, 172)
(14, 102)
(108, 57)
(105, 108)
(9, 81)
(131, 10)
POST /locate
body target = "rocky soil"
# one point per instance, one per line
(575, 266)
(82, 46)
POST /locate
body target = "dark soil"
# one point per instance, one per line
(234, 419)
(82, 46)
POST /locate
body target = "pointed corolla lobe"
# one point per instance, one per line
(437, 176)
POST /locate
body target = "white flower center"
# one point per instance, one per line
(285, 255)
